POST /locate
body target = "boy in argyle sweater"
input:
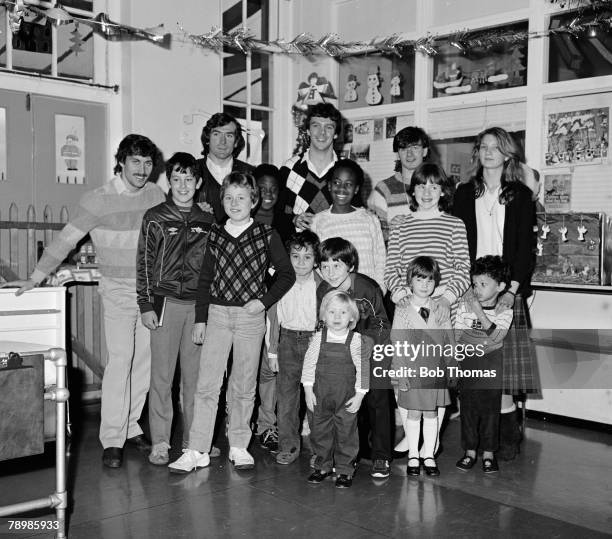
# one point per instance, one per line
(230, 304)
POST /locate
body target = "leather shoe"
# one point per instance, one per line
(466, 463)
(140, 442)
(112, 457)
(414, 470)
(490, 465)
(318, 476)
(430, 470)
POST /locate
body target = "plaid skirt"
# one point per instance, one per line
(520, 367)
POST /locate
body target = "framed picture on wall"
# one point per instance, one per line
(370, 81)
(498, 64)
(70, 149)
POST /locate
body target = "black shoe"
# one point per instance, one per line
(344, 481)
(490, 465)
(112, 457)
(380, 469)
(317, 476)
(140, 442)
(430, 470)
(269, 440)
(414, 470)
(466, 463)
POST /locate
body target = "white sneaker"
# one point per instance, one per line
(241, 458)
(402, 447)
(189, 461)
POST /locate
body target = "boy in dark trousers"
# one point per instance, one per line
(338, 261)
(170, 253)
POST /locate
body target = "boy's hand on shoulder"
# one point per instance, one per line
(149, 320)
(254, 306)
(354, 403)
(311, 399)
(441, 310)
(404, 302)
(198, 332)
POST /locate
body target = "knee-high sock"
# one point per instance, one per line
(413, 430)
(430, 436)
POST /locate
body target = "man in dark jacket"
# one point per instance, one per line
(222, 142)
(170, 254)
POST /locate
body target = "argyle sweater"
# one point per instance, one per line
(112, 215)
(305, 191)
(235, 269)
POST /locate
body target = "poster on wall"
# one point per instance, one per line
(577, 138)
(2, 144)
(557, 192)
(70, 149)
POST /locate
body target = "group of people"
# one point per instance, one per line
(286, 273)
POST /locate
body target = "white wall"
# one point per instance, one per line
(168, 94)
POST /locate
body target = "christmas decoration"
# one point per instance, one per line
(373, 96)
(76, 40)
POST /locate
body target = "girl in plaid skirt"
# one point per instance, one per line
(499, 215)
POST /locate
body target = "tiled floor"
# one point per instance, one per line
(559, 486)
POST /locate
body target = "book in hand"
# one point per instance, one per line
(159, 306)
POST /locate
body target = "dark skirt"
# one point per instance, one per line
(520, 367)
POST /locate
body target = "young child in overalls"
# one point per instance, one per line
(335, 377)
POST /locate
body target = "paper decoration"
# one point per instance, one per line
(70, 149)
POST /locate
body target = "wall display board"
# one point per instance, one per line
(491, 67)
(369, 81)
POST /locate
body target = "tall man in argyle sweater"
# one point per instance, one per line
(305, 176)
(112, 215)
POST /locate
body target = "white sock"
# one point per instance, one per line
(402, 415)
(430, 436)
(413, 429)
(509, 409)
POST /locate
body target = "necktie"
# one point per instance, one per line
(424, 312)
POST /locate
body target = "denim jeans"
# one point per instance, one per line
(227, 327)
(291, 351)
(266, 412)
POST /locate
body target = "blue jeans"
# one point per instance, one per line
(291, 351)
(227, 327)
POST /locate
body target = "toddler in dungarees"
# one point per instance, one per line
(335, 380)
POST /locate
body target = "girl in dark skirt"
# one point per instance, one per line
(499, 215)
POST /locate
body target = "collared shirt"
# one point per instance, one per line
(219, 172)
(235, 230)
(297, 309)
(311, 165)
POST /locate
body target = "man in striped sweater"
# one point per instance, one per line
(112, 215)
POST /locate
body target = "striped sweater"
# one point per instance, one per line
(112, 215)
(362, 229)
(388, 200)
(438, 235)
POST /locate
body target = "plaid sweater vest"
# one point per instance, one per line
(240, 263)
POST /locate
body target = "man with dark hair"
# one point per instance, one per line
(112, 215)
(305, 176)
(222, 142)
(389, 199)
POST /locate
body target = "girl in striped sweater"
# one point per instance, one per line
(428, 231)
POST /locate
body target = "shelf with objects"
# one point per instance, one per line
(33, 384)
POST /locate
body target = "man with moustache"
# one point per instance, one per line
(112, 215)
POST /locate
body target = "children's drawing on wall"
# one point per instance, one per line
(2, 144)
(373, 95)
(557, 192)
(350, 94)
(70, 149)
(390, 123)
(379, 125)
(360, 153)
(363, 131)
(316, 90)
(578, 137)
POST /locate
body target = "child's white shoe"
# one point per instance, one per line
(189, 461)
(241, 458)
